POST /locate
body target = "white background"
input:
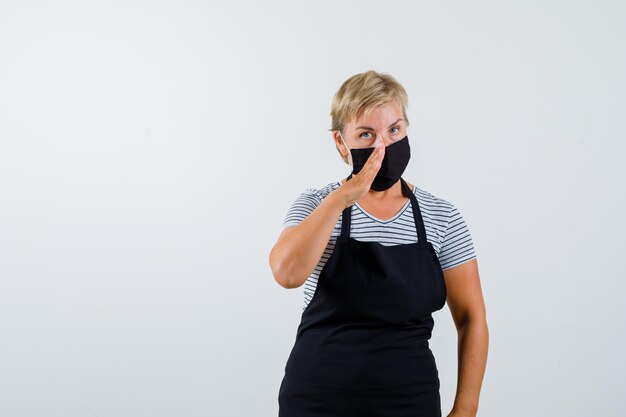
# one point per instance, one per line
(149, 152)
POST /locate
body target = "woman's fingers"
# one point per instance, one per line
(372, 166)
(361, 182)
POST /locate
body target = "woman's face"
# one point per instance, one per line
(384, 123)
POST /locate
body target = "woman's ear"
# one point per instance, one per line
(338, 145)
(342, 147)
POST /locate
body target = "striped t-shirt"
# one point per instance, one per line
(445, 228)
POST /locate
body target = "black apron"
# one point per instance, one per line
(362, 348)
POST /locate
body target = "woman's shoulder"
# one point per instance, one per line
(425, 196)
(455, 244)
(306, 202)
(437, 210)
(323, 191)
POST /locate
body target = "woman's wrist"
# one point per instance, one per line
(337, 200)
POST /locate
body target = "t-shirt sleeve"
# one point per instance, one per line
(304, 205)
(457, 246)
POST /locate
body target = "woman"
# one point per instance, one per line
(377, 256)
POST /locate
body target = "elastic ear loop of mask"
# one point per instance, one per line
(346, 145)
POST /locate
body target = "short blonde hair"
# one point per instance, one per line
(362, 93)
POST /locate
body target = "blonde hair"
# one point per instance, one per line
(362, 93)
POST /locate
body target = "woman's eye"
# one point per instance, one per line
(369, 133)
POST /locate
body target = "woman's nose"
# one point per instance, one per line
(385, 141)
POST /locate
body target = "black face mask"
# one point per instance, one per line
(396, 159)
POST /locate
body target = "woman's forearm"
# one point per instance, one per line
(298, 252)
(472, 357)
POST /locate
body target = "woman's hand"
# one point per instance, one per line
(459, 414)
(360, 183)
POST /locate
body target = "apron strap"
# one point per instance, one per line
(346, 218)
(417, 214)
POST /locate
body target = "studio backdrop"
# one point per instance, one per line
(150, 150)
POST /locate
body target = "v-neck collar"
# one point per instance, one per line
(394, 217)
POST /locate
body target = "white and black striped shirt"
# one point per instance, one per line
(445, 228)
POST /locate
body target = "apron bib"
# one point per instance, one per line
(366, 330)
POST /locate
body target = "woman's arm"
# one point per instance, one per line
(299, 248)
(466, 304)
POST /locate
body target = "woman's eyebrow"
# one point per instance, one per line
(369, 128)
